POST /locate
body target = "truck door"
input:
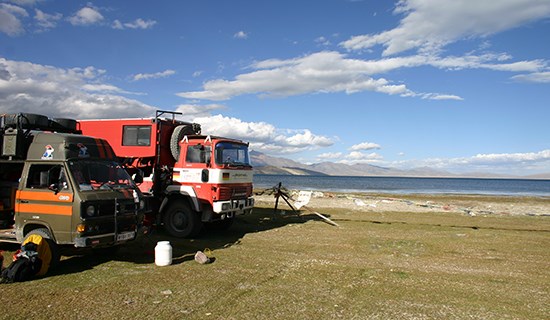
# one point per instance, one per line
(47, 199)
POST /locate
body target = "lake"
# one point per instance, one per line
(406, 185)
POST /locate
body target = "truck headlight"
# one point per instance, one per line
(90, 211)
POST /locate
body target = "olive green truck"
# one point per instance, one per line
(63, 186)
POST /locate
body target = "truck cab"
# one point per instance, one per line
(64, 186)
(217, 172)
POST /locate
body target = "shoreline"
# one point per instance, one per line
(466, 204)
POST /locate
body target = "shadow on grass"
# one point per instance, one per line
(142, 250)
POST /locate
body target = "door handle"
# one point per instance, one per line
(24, 201)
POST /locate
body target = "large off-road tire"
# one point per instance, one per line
(177, 135)
(54, 248)
(26, 120)
(182, 222)
(64, 124)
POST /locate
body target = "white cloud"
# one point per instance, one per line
(365, 146)
(147, 76)
(503, 163)
(315, 73)
(360, 157)
(429, 25)
(10, 22)
(45, 20)
(86, 16)
(81, 93)
(330, 71)
(539, 77)
(136, 24)
(435, 96)
(263, 137)
(241, 35)
(25, 2)
(190, 112)
(73, 93)
(322, 41)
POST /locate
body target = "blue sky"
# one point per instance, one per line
(454, 85)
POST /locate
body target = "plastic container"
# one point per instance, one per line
(163, 253)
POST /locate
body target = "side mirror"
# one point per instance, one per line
(54, 187)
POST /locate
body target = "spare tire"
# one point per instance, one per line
(26, 120)
(177, 135)
(64, 124)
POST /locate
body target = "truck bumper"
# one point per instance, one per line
(104, 240)
(233, 207)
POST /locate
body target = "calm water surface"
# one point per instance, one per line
(403, 185)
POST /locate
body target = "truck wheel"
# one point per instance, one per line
(26, 120)
(177, 135)
(182, 222)
(54, 248)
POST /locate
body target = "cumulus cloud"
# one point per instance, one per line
(361, 157)
(365, 146)
(330, 71)
(538, 77)
(504, 163)
(10, 19)
(429, 25)
(190, 112)
(147, 76)
(263, 137)
(241, 35)
(315, 73)
(82, 93)
(86, 16)
(136, 24)
(56, 92)
(45, 20)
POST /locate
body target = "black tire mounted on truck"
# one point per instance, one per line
(26, 120)
(54, 248)
(180, 221)
(177, 135)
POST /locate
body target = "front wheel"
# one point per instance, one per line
(54, 248)
(182, 222)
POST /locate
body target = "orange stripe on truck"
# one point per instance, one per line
(45, 196)
(62, 210)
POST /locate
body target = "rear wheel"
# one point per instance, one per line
(182, 222)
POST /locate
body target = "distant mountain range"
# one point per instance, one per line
(264, 164)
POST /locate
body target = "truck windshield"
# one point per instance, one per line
(95, 175)
(230, 153)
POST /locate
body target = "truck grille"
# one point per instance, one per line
(234, 193)
(123, 207)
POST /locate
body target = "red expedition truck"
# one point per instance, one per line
(191, 179)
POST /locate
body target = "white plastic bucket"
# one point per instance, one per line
(163, 253)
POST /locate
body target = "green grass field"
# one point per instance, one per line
(387, 265)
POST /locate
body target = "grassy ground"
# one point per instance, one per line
(388, 265)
